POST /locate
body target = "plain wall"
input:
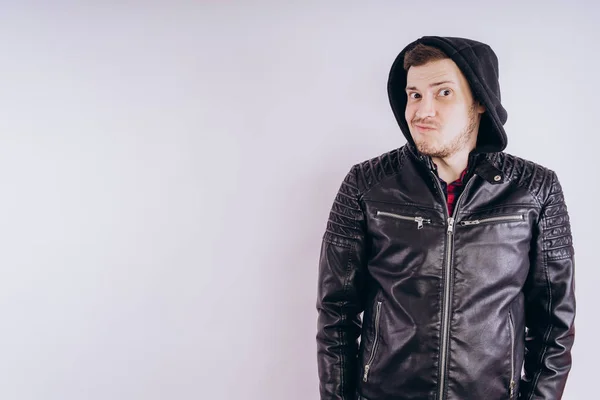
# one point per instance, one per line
(167, 169)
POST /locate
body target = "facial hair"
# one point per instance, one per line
(456, 144)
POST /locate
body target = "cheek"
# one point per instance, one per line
(408, 113)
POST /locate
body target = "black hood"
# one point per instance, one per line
(479, 64)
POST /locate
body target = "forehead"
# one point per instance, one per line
(435, 71)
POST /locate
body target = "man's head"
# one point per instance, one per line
(440, 98)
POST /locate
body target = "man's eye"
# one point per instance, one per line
(412, 95)
(444, 91)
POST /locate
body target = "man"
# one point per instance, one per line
(459, 254)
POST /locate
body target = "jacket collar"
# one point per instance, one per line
(479, 164)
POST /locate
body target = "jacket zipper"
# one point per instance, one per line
(447, 286)
(512, 355)
(418, 220)
(372, 357)
(516, 217)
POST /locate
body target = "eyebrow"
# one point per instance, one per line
(431, 84)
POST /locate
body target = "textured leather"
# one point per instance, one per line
(511, 287)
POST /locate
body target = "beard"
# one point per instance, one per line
(445, 150)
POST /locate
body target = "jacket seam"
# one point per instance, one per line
(361, 197)
(342, 358)
(347, 195)
(342, 366)
(344, 215)
(563, 257)
(473, 210)
(556, 248)
(538, 373)
(342, 225)
(336, 243)
(533, 196)
(402, 204)
(336, 234)
(546, 176)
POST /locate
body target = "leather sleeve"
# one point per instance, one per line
(341, 278)
(550, 301)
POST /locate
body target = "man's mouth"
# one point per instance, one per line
(425, 128)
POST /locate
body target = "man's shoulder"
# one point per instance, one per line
(369, 172)
(537, 178)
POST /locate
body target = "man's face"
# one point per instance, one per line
(439, 98)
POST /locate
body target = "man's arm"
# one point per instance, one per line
(550, 301)
(339, 299)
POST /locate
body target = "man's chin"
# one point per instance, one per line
(430, 151)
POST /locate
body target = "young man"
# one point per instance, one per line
(460, 255)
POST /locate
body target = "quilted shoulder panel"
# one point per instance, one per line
(346, 217)
(545, 187)
(376, 169)
(524, 173)
(558, 241)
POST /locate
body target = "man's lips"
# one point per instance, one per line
(425, 127)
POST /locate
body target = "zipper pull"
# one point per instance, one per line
(419, 222)
(473, 222)
(512, 388)
(450, 225)
(366, 372)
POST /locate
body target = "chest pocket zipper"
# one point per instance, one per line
(419, 220)
(375, 341)
(503, 218)
(512, 355)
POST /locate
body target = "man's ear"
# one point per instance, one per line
(480, 108)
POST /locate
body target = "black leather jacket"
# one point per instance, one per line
(476, 305)
(454, 306)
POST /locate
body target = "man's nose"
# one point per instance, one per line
(426, 108)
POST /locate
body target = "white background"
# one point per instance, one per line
(167, 170)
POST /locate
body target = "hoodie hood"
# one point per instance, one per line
(479, 65)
